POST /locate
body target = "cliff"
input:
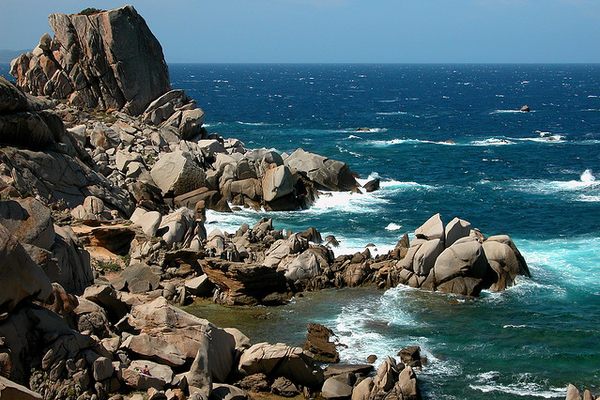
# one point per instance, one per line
(107, 60)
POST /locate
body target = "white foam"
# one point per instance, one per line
(388, 101)
(592, 96)
(509, 112)
(393, 142)
(353, 137)
(256, 123)
(525, 390)
(492, 142)
(587, 176)
(393, 113)
(393, 227)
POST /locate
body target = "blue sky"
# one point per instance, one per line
(376, 31)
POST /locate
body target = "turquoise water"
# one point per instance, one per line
(443, 138)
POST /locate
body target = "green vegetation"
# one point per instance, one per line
(90, 11)
(108, 266)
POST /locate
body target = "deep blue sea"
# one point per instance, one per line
(448, 139)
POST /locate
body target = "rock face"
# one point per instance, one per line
(22, 276)
(24, 119)
(109, 60)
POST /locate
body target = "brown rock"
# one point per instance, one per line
(318, 343)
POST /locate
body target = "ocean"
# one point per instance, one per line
(448, 139)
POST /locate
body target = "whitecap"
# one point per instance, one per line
(510, 112)
(256, 123)
(491, 142)
(388, 101)
(353, 137)
(391, 113)
(393, 227)
(525, 390)
(392, 142)
(592, 96)
(587, 176)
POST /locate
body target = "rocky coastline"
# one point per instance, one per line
(106, 174)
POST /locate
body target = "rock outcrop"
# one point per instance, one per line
(102, 59)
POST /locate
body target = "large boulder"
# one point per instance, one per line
(177, 173)
(108, 59)
(457, 229)
(277, 182)
(464, 262)
(21, 278)
(426, 255)
(282, 360)
(433, 228)
(504, 262)
(326, 173)
(173, 337)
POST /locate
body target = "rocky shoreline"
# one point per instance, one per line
(105, 180)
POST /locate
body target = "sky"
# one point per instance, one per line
(344, 31)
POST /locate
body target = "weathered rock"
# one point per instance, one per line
(284, 387)
(108, 298)
(326, 173)
(465, 258)
(102, 368)
(177, 173)
(163, 372)
(362, 391)
(246, 284)
(336, 388)
(92, 209)
(24, 122)
(29, 221)
(426, 255)
(227, 392)
(21, 278)
(57, 177)
(10, 390)
(276, 183)
(573, 393)
(108, 59)
(411, 356)
(137, 278)
(433, 228)
(199, 286)
(372, 185)
(149, 221)
(318, 343)
(456, 229)
(281, 360)
(179, 227)
(174, 337)
(137, 380)
(407, 381)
